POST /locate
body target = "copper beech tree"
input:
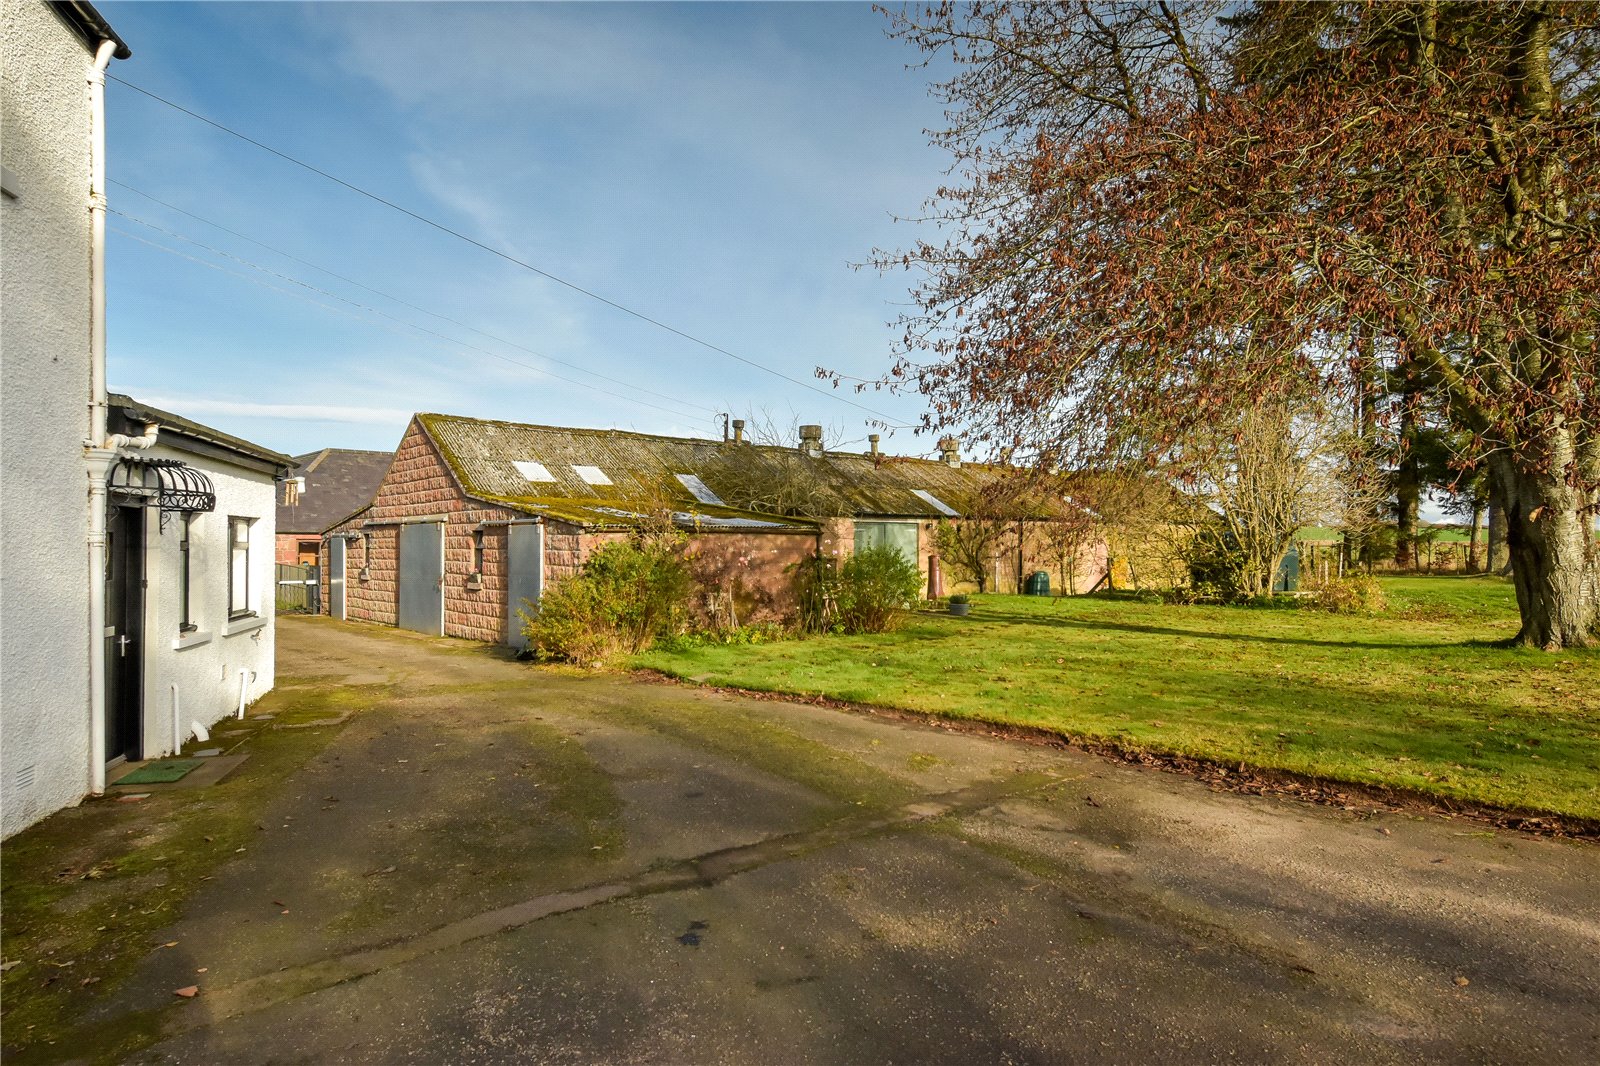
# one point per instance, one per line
(1164, 214)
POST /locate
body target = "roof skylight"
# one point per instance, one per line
(533, 471)
(701, 490)
(939, 505)
(592, 475)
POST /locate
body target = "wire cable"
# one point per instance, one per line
(361, 307)
(378, 292)
(886, 421)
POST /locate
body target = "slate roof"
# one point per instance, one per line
(127, 414)
(338, 481)
(494, 461)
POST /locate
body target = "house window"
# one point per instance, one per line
(307, 551)
(185, 559)
(477, 551)
(239, 567)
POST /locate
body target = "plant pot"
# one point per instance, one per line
(960, 608)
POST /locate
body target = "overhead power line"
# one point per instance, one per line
(387, 296)
(887, 421)
(362, 307)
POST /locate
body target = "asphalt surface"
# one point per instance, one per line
(496, 862)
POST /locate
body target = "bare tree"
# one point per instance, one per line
(1141, 184)
(1282, 466)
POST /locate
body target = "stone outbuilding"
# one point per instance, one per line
(475, 517)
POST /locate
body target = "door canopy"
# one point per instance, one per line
(170, 484)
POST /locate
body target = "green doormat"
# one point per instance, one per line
(160, 773)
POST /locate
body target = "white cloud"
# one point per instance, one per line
(201, 407)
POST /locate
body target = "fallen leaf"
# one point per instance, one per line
(1462, 982)
(1384, 830)
(1091, 801)
(4, 966)
(170, 944)
(203, 969)
(87, 981)
(187, 992)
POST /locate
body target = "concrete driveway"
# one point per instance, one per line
(497, 862)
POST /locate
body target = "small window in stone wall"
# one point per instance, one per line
(477, 551)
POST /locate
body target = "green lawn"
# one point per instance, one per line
(1418, 697)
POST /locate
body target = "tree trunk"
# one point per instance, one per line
(1499, 557)
(1555, 562)
(1408, 490)
(1474, 552)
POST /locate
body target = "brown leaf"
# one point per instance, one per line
(187, 992)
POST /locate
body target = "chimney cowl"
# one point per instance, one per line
(811, 440)
(949, 450)
(738, 430)
(872, 441)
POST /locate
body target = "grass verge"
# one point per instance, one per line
(1419, 698)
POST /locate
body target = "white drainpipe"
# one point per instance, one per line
(98, 458)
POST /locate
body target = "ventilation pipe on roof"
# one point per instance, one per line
(738, 431)
(949, 451)
(98, 457)
(811, 441)
(872, 442)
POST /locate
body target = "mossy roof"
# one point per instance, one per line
(494, 461)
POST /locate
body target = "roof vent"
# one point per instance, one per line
(738, 430)
(872, 441)
(811, 441)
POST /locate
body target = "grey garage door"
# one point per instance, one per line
(336, 547)
(421, 592)
(524, 577)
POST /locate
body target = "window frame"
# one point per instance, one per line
(186, 623)
(235, 546)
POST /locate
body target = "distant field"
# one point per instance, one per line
(1418, 697)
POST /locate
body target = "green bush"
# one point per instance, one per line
(816, 586)
(1351, 594)
(875, 587)
(626, 597)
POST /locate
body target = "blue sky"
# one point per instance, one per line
(718, 167)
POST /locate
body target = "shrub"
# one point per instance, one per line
(817, 590)
(961, 597)
(875, 586)
(626, 597)
(1351, 594)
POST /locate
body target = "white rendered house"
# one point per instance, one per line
(190, 578)
(66, 674)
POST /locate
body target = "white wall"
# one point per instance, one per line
(44, 394)
(205, 664)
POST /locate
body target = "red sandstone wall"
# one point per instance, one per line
(419, 484)
(754, 570)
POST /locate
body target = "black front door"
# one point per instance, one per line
(124, 631)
